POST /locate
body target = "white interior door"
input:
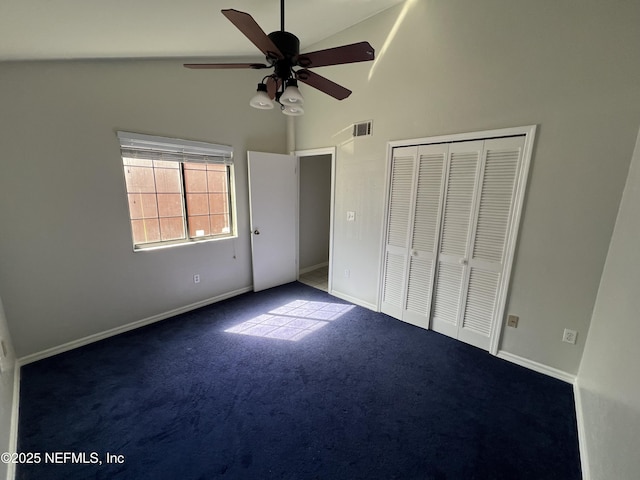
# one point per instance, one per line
(273, 204)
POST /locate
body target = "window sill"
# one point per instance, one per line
(164, 246)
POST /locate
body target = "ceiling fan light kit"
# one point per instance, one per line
(282, 54)
(261, 99)
(292, 111)
(291, 95)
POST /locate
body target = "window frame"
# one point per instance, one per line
(180, 151)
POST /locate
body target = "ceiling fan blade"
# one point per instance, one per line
(323, 84)
(247, 25)
(356, 52)
(272, 86)
(225, 65)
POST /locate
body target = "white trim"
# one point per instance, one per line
(354, 300)
(582, 434)
(310, 153)
(130, 326)
(304, 270)
(385, 225)
(315, 151)
(13, 429)
(460, 137)
(537, 367)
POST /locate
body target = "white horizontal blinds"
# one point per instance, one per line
(150, 147)
(425, 232)
(462, 176)
(492, 221)
(400, 206)
(149, 154)
(177, 190)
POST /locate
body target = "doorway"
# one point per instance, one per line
(315, 200)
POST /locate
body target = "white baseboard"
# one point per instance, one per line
(312, 268)
(15, 409)
(582, 439)
(354, 300)
(537, 367)
(125, 328)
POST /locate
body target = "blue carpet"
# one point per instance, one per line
(358, 395)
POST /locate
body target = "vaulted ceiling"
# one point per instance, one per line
(93, 29)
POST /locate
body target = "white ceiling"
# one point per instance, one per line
(82, 29)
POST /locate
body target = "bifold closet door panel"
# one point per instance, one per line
(425, 229)
(401, 198)
(494, 210)
(456, 227)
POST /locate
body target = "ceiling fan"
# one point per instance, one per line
(282, 54)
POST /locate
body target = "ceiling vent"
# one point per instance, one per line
(362, 129)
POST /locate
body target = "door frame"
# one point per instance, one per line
(529, 132)
(312, 153)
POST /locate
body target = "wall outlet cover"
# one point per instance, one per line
(569, 336)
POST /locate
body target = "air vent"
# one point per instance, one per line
(362, 129)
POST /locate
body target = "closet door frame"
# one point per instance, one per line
(529, 132)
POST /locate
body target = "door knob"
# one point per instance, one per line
(256, 232)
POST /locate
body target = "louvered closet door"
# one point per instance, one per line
(492, 220)
(424, 230)
(401, 199)
(460, 189)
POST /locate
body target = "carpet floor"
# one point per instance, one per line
(291, 383)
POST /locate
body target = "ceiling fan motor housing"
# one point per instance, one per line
(287, 43)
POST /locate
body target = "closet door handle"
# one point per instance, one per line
(463, 261)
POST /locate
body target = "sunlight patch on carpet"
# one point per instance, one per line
(292, 321)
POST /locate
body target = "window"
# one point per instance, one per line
(178, 191)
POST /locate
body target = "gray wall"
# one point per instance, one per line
(315, 210)
(6, 391)
(608, 383)
(447, 67)
(67, 267)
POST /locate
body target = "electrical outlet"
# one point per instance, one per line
(512, 321)
(569, 336)
(351, 216)
(347, 273)
(196, 278)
